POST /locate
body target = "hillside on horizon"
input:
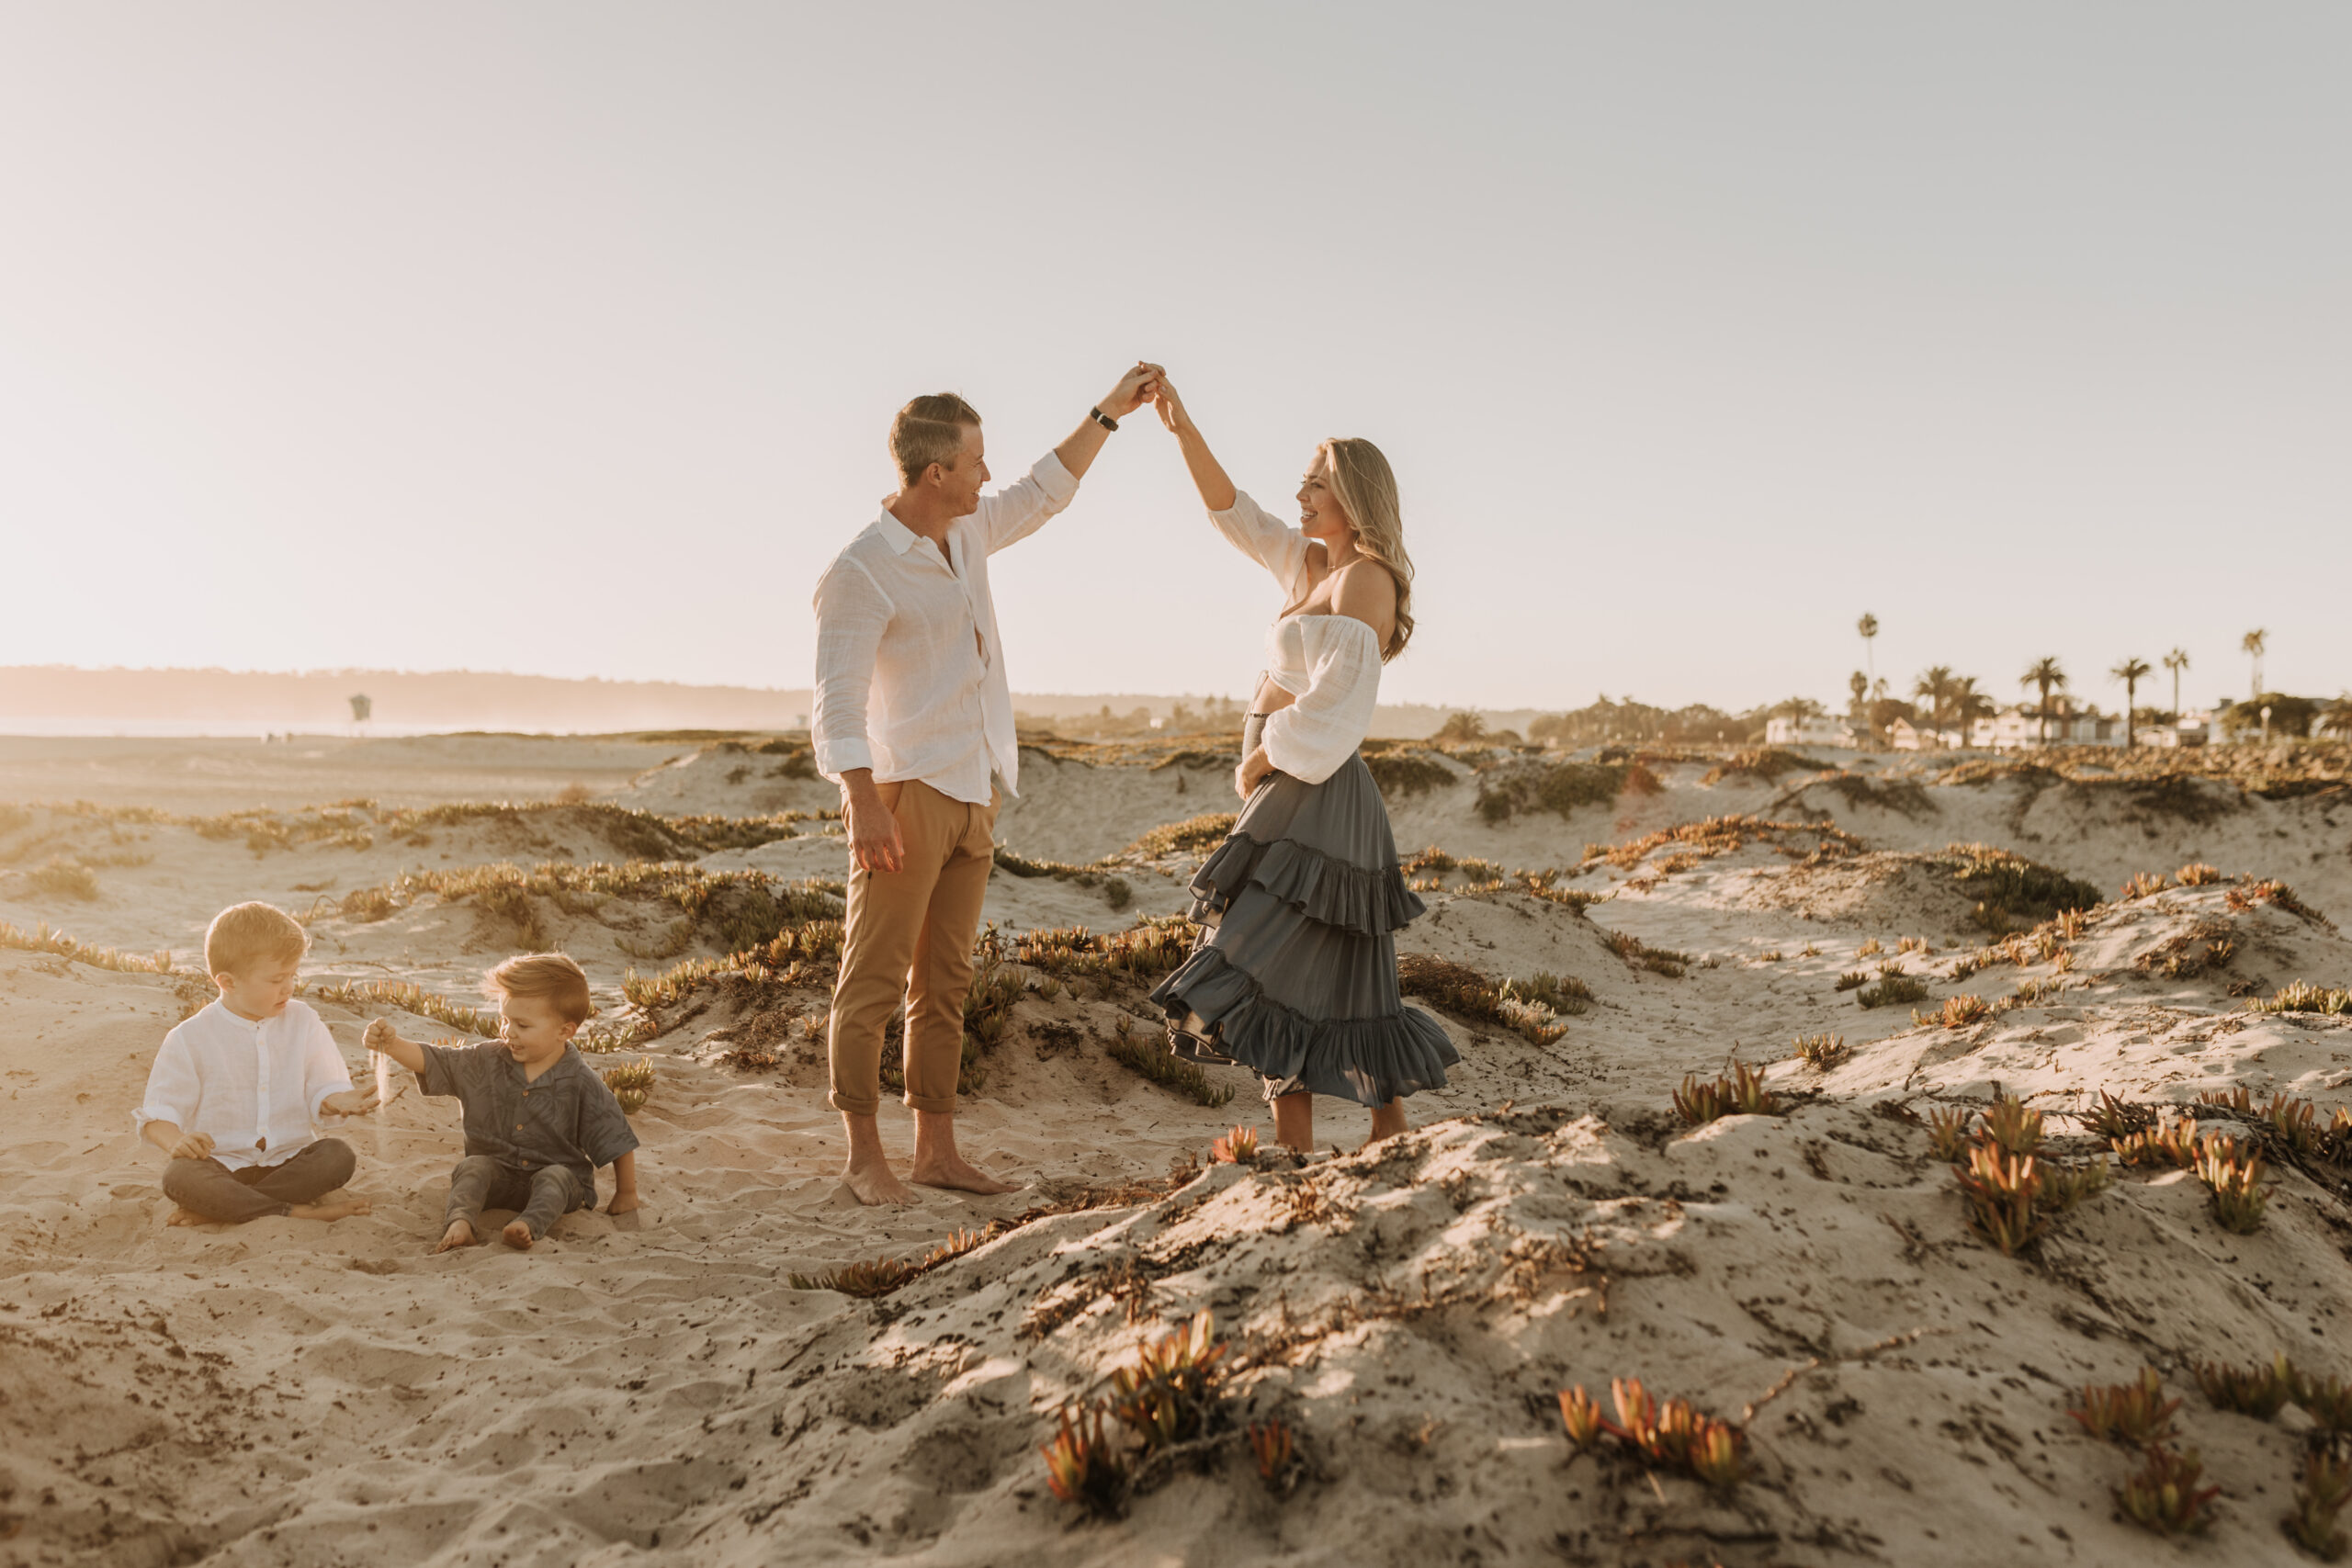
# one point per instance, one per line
(44, 697)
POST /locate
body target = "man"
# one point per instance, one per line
(915, 721)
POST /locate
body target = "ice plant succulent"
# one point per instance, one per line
(1948, 1131)
(1741, 1094)
(1675, 1435)
(1084, 1467)
(1272, 1445)
(2136, 1414)
(1167, 1395)
(1961, 1011)
(1239, 1146)
(2257, 1391)
(1580, 1413)
(2236, 1184)
(2326, 1488)
(2163, 1496)
(2328, 1401)
(631, 1083)
(2167, 1142)
(1821, 1052)
(2013, 1126)
(2000, 1189)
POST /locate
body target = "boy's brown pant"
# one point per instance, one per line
(909, 935)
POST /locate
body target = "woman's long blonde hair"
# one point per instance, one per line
(1365, 487)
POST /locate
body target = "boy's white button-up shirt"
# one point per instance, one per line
(256, 1088)
(911, 677)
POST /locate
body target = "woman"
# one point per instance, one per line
(1295, 976)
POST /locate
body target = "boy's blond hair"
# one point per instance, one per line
(550, 974)
(243, 934)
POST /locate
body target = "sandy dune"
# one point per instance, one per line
(654, 1388)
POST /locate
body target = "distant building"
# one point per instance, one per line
(2008, 730)
(1807, 732)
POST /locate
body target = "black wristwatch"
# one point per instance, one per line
(1105, 420)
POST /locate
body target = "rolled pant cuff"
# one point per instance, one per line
(935, 1105)
(854, 1105)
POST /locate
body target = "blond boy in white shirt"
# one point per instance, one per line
(237, 1092)
(913, 719)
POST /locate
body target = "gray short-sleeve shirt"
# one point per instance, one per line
(567, 1117)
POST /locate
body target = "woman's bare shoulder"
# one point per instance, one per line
(1367, 590)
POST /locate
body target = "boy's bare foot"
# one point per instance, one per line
(342, 1209)
(876, 1184)
(518, 1235)
(460, 1234)
(954, 1172)
(180, 1216)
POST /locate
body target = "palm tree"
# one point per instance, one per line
(2337, 717)
(2251, 645)
(2177, 661)
(2044, 673)
(1937, 683)
(2131, 671)
(1969, 704)
(1868, 627)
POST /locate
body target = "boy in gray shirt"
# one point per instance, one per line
(538, 1120)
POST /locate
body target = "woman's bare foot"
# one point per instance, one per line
(342, 1209)
(518, 1235)
(460, 1234)
(952, 1172)
(180, 1216)
(1386, 1121)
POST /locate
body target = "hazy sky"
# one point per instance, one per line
(563, 338)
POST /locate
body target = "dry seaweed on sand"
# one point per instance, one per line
(1148, 1056)
(1528, 1007)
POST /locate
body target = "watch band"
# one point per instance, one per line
(1105, 420)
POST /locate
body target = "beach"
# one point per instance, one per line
(679, 1385)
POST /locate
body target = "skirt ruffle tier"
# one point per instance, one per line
(1295, 975)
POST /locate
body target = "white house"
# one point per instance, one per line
(1807, 732)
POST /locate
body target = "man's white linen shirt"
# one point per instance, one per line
(910, 671)
(256, 1088)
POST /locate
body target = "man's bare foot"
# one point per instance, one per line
(876, 1184)
(959, 1175)
(518, 1235)
(341, 1209)
(460, 1234)
(180, 1216)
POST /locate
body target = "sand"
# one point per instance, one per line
(652, 1388)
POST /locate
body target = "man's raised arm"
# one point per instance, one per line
(1134, 390)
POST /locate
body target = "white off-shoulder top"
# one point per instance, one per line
(1329, 663)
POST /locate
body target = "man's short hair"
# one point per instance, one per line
(550, 974)
(244, 934)
(930, 430)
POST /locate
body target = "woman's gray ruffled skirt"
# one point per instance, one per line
(1295, 975)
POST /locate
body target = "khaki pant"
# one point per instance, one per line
(910, 937)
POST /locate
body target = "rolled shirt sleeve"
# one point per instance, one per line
(1263, 537)
(173, 1090)
(1310, 739)
(1020, 508)
(323, 1072)
(851, 613)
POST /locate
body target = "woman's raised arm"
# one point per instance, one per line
(1209, 478)
(1253, 531)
